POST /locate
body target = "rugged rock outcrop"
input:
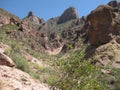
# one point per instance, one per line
(68, 14)
(4, 59)
(73, 38)
(53, 45)
(34, 19)
(103, 25)
(4, 20)
(108, 55)
(14, 79)
(114, 3)
(32, 22)
(7, 20)
(14, 21)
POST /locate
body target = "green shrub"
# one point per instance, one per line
(47, 75)
(114, 78)
(20, 62)
(34, 74)
(79, 74)
(10, 27)
(93, 84)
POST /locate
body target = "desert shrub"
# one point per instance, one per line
(8, 50)
(10, 27)
(113, 78)
(47, 75)
(44, 74)
(20, 61)
(34, 74)
(79, 74)
(15, 54)
(22, 64)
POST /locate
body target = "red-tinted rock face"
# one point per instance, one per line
(102, 25)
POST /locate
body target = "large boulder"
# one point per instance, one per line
(5, 60)
(103, 25)
(68, 14)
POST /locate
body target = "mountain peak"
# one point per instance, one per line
(68, 14)
(32, 18)
(30, 14)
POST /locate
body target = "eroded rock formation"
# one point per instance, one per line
(103, 25)
(68, 14)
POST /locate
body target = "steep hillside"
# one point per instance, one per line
(66, 52)
(7, 14)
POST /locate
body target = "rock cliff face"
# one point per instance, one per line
(103, 31)
(103, 25)
(68, 14)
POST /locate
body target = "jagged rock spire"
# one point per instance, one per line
(114, 3)
(30, 14)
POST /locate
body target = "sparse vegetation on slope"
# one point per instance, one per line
(7, 14)
(72, 69)
(79, 74)
(44, 74)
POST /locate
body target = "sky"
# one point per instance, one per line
(47, 9)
